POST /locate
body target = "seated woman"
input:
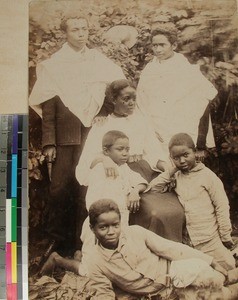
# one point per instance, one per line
(159, 212)
(146, 154)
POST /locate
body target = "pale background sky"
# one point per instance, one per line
(13, 56)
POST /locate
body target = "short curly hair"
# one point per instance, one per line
(168, 30)
(100, 207)
(63, 24)
(181, 139)
(111, 136)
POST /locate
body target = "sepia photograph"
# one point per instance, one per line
(133, 149)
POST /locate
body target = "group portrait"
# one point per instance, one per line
(133, 149)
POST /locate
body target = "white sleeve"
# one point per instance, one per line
(91, 150)
(221, 203)
(142, 96)
(100, 186)
(205, 87)
(135, 178)
(44, 88)
(153, 150)
(97, 185)
(109, 70)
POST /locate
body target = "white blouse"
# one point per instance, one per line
(142, 141)
(175, 94)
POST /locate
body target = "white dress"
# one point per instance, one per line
(175, 94)
(142, 141)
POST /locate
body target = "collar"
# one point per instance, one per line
(116, 165)
(136, 113)
(164, 61)
(177, 58)
(116, 115)
(70, 49)
(107, 253)
(199, 166)
(68, 54)
(116, 118)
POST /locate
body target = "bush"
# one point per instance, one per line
(208, 36)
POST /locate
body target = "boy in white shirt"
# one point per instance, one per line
(126, 187)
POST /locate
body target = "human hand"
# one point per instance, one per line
(201, 155)
(172, 170)
(229, 244)
(133, 201)
(109, 167)
(162, 165)
(100, 120)
(216, 266)
(50, 153)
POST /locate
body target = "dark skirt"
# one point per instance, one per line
(143, 168)
(161, 213)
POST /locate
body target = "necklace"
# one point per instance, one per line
(119, 115)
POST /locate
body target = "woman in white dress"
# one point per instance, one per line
(159, 212)
(174, 93)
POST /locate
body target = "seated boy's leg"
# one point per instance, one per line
(209, 277)
(230, 292)
(55, 260)
(221, 254)
(194, 272)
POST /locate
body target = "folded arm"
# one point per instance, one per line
(161, 181)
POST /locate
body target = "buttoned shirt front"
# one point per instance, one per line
(205, 203)
(139, 265)
(175, 94)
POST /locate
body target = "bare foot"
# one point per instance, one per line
(49, 265)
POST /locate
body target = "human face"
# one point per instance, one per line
(107, 229)
(77, 33)
(162, 47)
(183, 157)
(119, 151)
(125, 103)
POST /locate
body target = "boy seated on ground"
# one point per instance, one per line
(139, 261)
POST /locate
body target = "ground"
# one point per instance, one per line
(66, 285)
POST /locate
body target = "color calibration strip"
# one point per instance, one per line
(13, 207)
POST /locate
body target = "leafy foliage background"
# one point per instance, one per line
(208, 33)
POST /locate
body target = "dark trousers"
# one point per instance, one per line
(66, 208)
(64, 196)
